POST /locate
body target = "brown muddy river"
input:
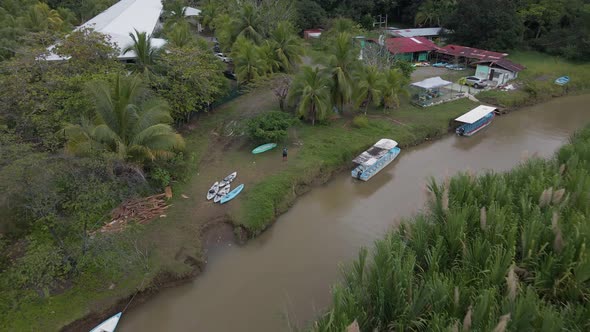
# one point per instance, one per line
(282, 278)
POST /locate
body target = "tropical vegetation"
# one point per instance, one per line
(492, 252)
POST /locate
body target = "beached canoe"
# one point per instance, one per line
(563, 80)
(108, 325)
(232, 194)
(264, 148)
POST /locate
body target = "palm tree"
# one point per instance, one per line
(311, 87)
(248, 23)
(342, 61)
(247, 60)
(287, 46)
(269, 57)
(174, 12)
(145, 53)
(369, 87)
(394, 85)
(432, 12)
(125, 126)
(180, 35)
(42, 18)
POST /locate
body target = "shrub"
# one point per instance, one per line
(270, 127)
(360, 121)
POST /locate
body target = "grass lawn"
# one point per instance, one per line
(537, 80)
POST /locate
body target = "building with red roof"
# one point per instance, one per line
(410, 48)
(470, 53)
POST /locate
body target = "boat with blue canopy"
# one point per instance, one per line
(373, 160)
(475, 120)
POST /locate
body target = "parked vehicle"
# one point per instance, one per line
(231, 75)
(475, 82)
(216, 48)
(223, 57)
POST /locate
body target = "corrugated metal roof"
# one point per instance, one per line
(420, 32)
(409, 45)
(475, 114)
(470, 52)
(504, 63)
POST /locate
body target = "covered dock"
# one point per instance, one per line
(433, 91)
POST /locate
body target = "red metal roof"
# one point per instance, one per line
(505, 63)
(471, 53)
(409, 45)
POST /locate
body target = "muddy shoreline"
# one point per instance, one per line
(240, 236)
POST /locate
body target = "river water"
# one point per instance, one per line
(282, 278)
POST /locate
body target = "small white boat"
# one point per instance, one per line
(213, 190)
(222, 192)
(108, 325)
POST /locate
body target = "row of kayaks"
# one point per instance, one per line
(220, 191)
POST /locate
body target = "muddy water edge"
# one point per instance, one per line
(282, 278)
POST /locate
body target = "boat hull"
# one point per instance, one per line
(471, 129)
(366, 174)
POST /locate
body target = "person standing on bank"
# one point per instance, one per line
(284, 153)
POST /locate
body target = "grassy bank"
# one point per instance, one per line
(327, 149)
(497, 252)
(536, 82)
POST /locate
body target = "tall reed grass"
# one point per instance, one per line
(499, 252)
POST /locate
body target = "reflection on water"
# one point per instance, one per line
(288, 270)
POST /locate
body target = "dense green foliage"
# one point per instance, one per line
(270, 127)
(558, 27)
(496, 252)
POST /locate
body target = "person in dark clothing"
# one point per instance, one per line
(285, 153)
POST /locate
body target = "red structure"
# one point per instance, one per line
(409, 45)
(312, 33)
(470, 53)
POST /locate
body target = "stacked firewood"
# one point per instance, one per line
(140, 210)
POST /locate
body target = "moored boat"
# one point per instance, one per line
(475, 120)
(108, 325)
(375, 159)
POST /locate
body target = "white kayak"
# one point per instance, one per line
(230, 178)
(108, 325)
(222, 192)
(213, 190)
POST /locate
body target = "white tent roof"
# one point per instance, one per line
(190, 11)
(123, 18)
(475, 114)
(431, 83)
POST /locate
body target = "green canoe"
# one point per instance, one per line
(264, 148)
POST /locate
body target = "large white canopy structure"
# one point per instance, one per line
(475, 114)
(432, 83)
(124, 18)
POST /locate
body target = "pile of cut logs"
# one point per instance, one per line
(140, 210)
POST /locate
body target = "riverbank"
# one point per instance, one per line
(175, 248)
